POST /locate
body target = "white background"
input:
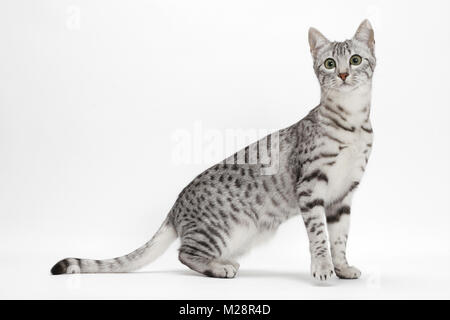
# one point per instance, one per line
(91, 93)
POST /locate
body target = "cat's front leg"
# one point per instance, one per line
(338, 222)
(313, 214)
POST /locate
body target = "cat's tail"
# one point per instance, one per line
(130, 262)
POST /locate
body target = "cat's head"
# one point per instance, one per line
(344, 65)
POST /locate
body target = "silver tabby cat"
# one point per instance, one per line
(319, 163)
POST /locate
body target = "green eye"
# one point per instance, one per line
(330, 63)
(355, 60)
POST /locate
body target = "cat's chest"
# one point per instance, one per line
(349, 165)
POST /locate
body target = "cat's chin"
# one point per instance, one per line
(347, 87)
(344, 87)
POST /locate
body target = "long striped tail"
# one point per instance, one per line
(127, 263)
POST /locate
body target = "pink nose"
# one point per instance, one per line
(343, 76)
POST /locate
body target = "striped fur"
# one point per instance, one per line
(127, 263)
(311, 168)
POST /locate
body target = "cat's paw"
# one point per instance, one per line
(322, 269)
(218, 270)
(347, 272)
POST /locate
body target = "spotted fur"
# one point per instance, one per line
(316, 166)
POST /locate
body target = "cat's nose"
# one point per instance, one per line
(343, 76)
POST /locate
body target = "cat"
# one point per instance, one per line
(315, 168)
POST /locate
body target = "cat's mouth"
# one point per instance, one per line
(346, 86)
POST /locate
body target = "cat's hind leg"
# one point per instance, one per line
(211, 267)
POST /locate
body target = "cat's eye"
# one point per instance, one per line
(330, 63)
(355, 60)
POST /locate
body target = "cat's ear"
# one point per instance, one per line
(316, 40)
(365, 34)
